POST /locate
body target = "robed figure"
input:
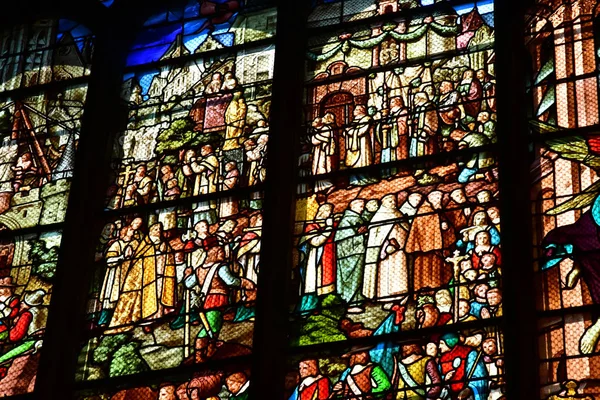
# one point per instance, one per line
(472, 92)
(449, 111)
(149, 285)
(319, 272)
(387, 137)
(386, 268)
(424, 139)
(399, 125)
(216, 103)
(230, 205)
(118, 256)
(248, 254)
(359, 148)
(235, 118)
(489, 89)
(350, 252)
(205, 171)
(425, 242)
(324, 150)
(255, 156)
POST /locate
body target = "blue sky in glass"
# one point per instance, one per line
(107, 3)
(163, 28)
(483, 7)
(144, 79)
(77, 31)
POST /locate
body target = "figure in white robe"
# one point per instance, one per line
(235, 118)
(248, 254)
(205, 172)
(117, 256)
(255, 155)
(324, 149)
(319, 274)
(359, 149)
(386, 269)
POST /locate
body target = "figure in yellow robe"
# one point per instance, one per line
(149, 285)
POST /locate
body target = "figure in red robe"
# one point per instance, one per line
(312, 386)
(319, 272)
(472, 92)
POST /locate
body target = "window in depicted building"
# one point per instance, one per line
(43, 87)
(397, 215)
(562, 43)
(177, 263)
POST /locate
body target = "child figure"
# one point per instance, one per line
(489, 270)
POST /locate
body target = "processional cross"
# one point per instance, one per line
(123, 181)
(455, 261)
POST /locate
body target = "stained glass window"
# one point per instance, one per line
(397, 217)
(345, 224)
(563, 89)
(43, 85)
(176, 266)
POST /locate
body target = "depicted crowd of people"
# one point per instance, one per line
(441, 368)
(438, 117)
(216, 386)
(198, 173)
(157, 273)
(436, 253)
(405, 244)
(238, 159)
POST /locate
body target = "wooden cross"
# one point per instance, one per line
(126, 174)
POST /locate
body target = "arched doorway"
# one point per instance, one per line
(340, 104)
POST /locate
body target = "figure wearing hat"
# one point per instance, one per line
(312, 385)
(363, 378)
(28, 326)
(214, 280)
(463, 368)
